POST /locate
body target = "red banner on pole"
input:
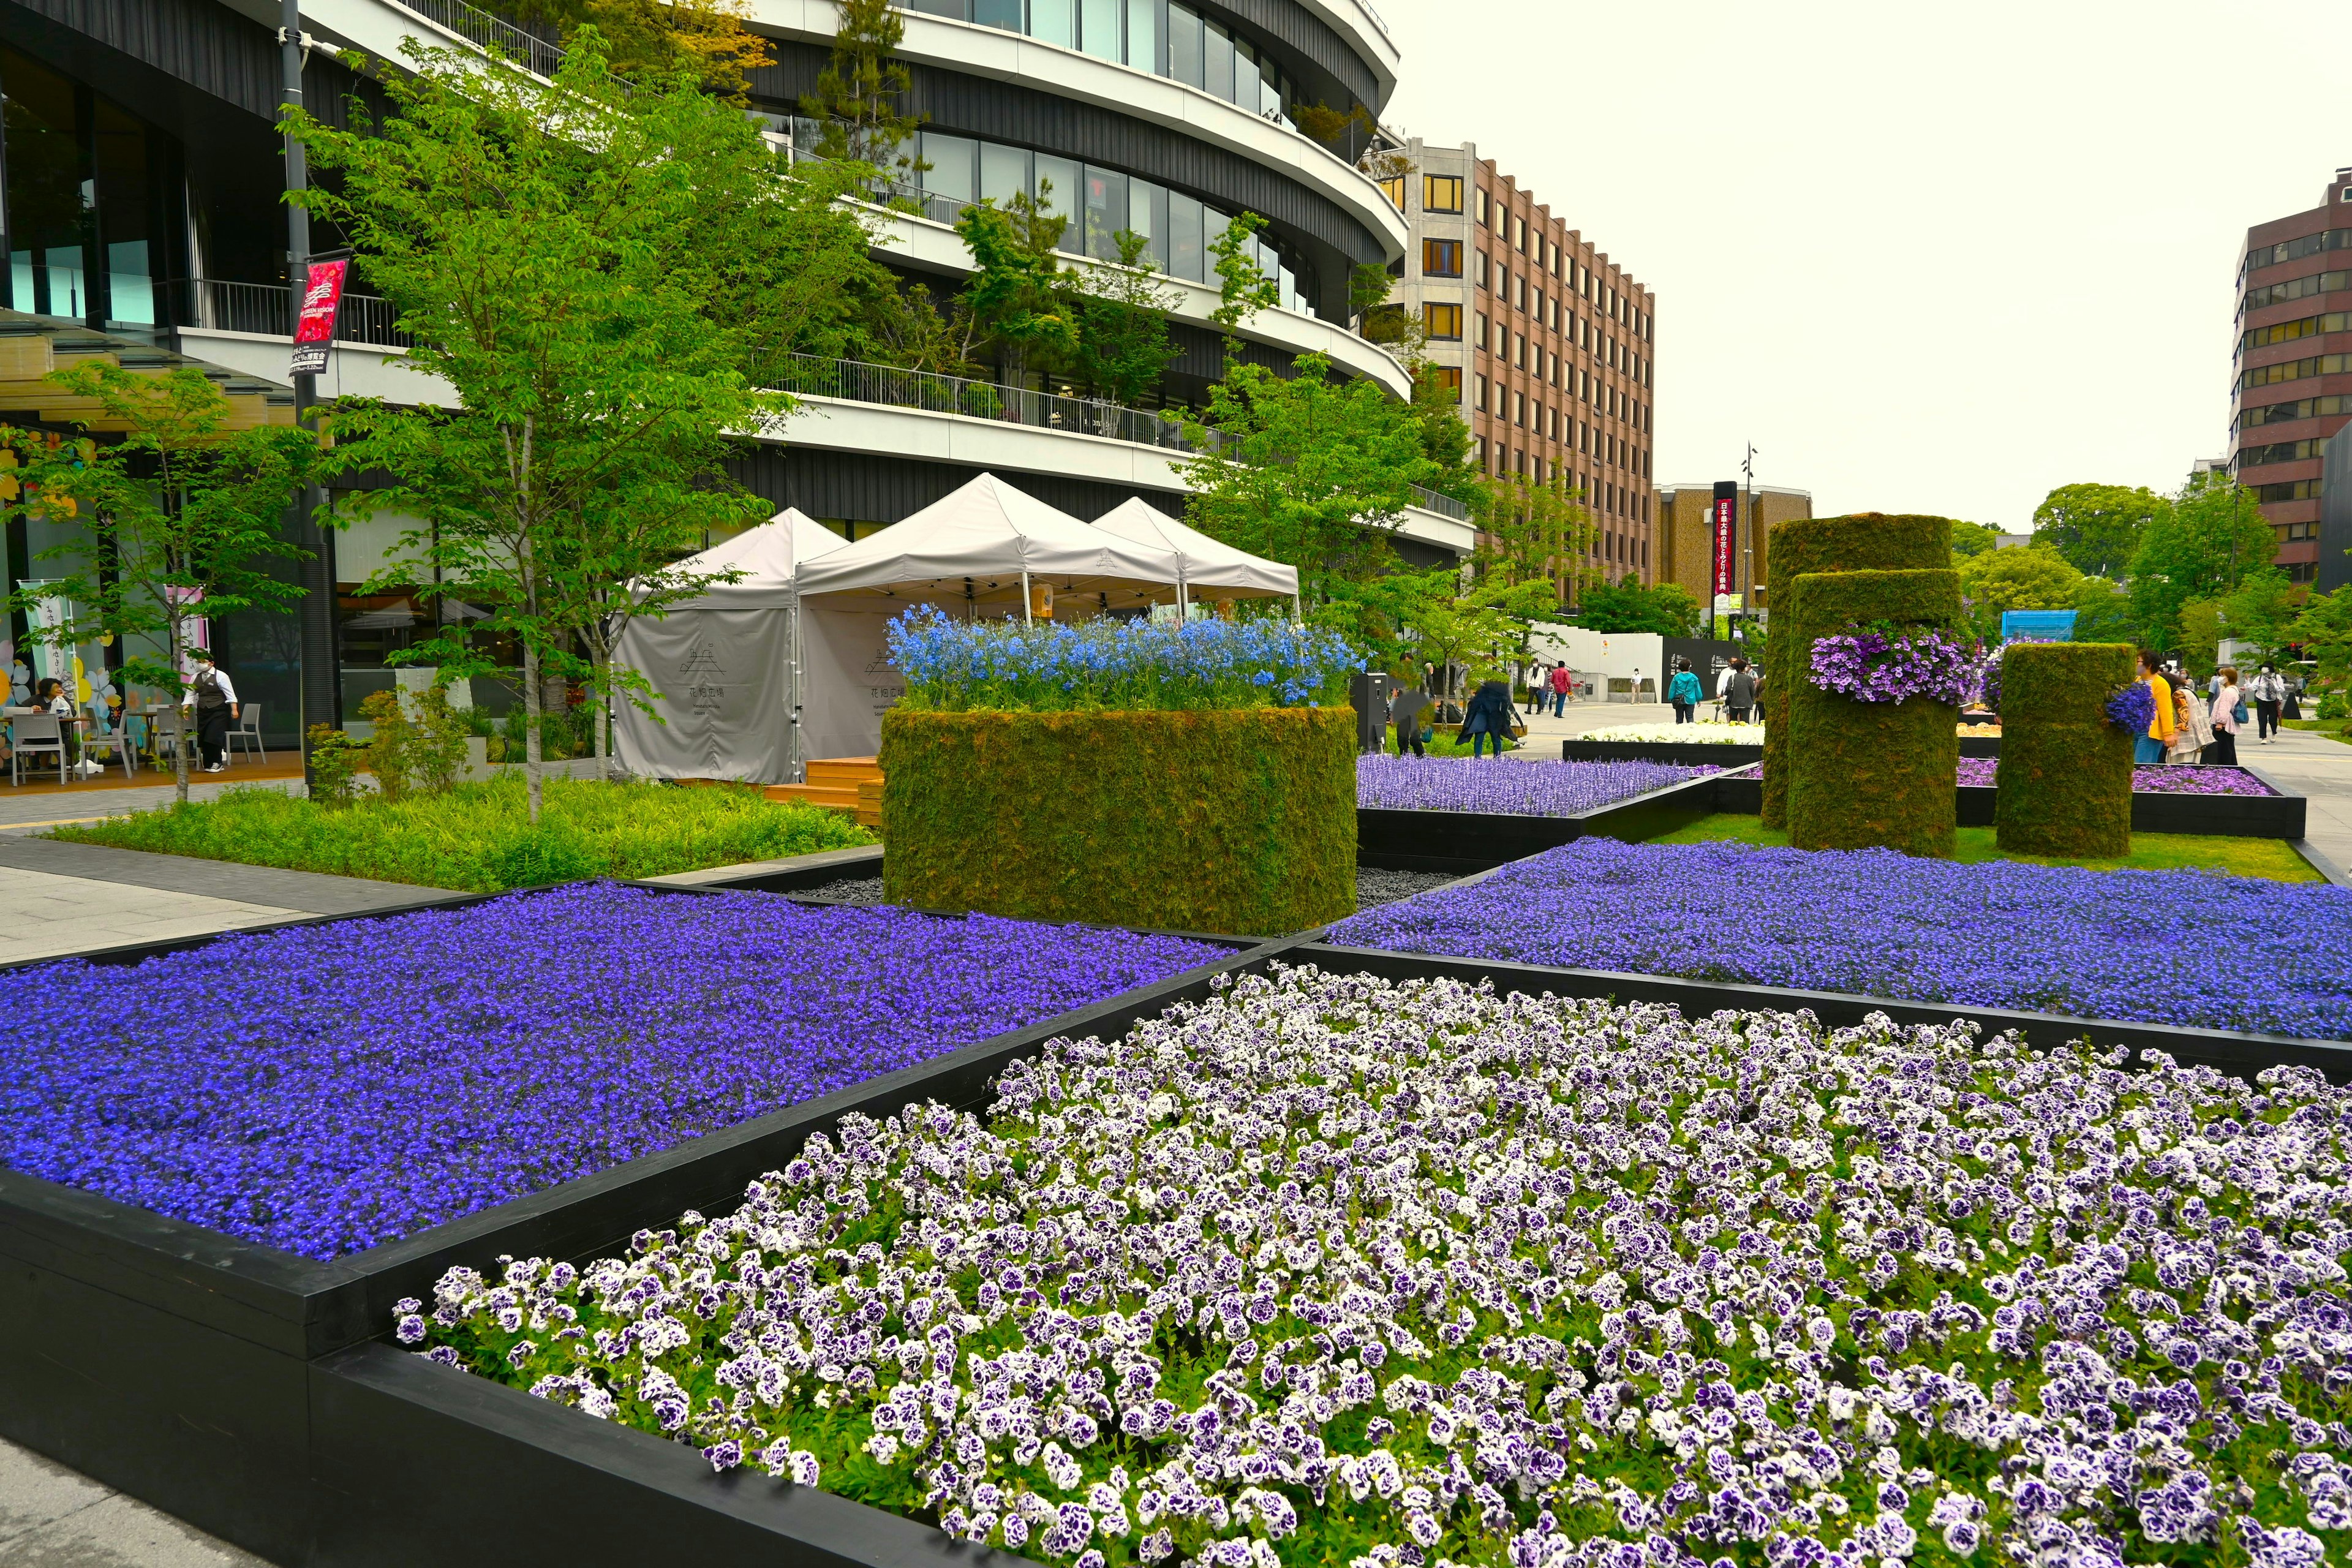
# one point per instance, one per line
(315, 329)
(1727, 527)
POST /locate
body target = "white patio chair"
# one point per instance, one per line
(248, 730)
(37, 736)
(97, 736)
(164, 733)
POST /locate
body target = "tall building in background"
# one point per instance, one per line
(1686, 538)
(1549, 344)
(2293, 366)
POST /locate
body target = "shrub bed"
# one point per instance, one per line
(327, 1088)
(2068, 784)
(477, 837)
(1867, 773)
(1337, 1272)
(1238, 820)
(2151, 778)
(1999, 934)
(1519, 789)
(1870, 541)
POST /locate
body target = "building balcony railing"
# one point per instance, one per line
(854, 381)
(494, 35)
(214, 304)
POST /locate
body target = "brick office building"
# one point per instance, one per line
(2293, 366)
(1686, 538)
(1551, 344)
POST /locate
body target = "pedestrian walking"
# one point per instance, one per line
(1406, 706)
(2161, 723)
(1684, 692)
(214, 696)
(1562, 680)
(1488, 717)
(2228, 712)
(2268, 689)
(1738, 690)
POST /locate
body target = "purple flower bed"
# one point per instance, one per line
(2090, 944)
(1979, 772)
(330, 1087)
(1516, 789)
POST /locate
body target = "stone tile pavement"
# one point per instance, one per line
(51, 1517)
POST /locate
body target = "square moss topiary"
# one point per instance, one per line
(1867, 542)
(2065, 779)
(1868, 774)
(1232, 820)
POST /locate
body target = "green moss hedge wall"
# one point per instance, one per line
(1867, 542)
(1866, 774)
(1235, 821)
(2065, 779)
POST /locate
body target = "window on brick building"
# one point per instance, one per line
(1441, 194)
(1443, 321)
(1448, 376)
(1441, 258)
(1478, 394)
(1485, 209)
(1393, 188)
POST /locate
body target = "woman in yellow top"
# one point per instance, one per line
(2150, 747)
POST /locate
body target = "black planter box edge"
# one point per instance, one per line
(2232, 1050)
(1481, 840)
(1726, 753)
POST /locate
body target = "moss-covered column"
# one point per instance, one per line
(1869, 775)
(1869, 541)
(2065, 776)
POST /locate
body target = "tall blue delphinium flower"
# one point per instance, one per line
(1109, 664)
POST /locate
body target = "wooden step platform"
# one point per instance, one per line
(852, 785)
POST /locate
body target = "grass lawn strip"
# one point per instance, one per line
(2267, 857)
(1338, 1272)
(477, 837)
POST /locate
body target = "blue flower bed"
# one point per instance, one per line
(330, 1087)
(1117, 665)
(1516, 789)
(2163, 947)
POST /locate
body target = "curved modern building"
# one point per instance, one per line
(143, 220)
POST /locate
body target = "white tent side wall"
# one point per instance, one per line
(847, 679)
(724, 708)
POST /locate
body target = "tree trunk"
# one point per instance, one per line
(532, 707)
(600, 710)
(187, 714)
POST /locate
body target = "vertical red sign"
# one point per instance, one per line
(315, 329)
(1727, 527)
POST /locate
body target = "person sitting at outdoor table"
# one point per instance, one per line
(51, 699)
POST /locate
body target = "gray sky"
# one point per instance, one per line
(1927, 258)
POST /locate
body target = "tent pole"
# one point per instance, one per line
(1028, 617)
(1183, 609)
(1298, 613)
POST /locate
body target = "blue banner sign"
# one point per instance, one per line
(2037, 625)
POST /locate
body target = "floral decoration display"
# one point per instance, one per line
(327, 1088)
(1334, 1271)
(2148, 778)
(2133, 709)
(2045, 939)
(1006, 666)
(1889, 664)
(1518, 789)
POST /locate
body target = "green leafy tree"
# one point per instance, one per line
(2324, 628)
(2261, 610)
(1445, 434)
(1317, 474)
(1243, 287)
(1531, 531)
(2034, 578)
(1122, 308)
(2103, 612)
(545, 247)
(1369, 284)
(1974, 538)
(185, 517)
(2097, 527)
(709, 39)
(857, 102)
(2198, 547)
(1667, 609)
(1017, 296)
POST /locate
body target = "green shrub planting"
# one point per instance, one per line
(1240, 821)
(2065, 779)
(1869, 541)
(1866, 774)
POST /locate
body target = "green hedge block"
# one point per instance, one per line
(1867, 542)
(2065, 779)
(1236, 821)
(1868, 774)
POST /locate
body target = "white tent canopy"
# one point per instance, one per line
(723, 663)
(980, 544)
(1204, 562)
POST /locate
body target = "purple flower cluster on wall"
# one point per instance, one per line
(1333, 1272)
(1875, 664)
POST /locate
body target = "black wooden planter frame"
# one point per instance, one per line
(1466, 841)
(253, 1393)
(180, 1365)
(1688, 752)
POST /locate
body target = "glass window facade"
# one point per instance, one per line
(1162, 37)
(90, 193)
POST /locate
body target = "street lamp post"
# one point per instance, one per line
(321, 695)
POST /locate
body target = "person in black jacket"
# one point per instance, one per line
(1488, 716)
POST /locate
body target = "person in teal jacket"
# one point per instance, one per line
(1684, 692)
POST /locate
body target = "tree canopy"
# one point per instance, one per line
(1667, 609)
(2199, 546)
(2097, 527)
(1974, 538)
(2033, 578)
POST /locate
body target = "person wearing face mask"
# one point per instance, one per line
(2268, 691)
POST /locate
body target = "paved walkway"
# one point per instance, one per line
(2321, 769)
(51, 1517)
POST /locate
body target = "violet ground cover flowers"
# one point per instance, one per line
(1333, 1272)
(2146, 779)
(328, 1088)
(1875, 922)
(1519, 789)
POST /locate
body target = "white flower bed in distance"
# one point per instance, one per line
(1696, 734)
(1327, 1270)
